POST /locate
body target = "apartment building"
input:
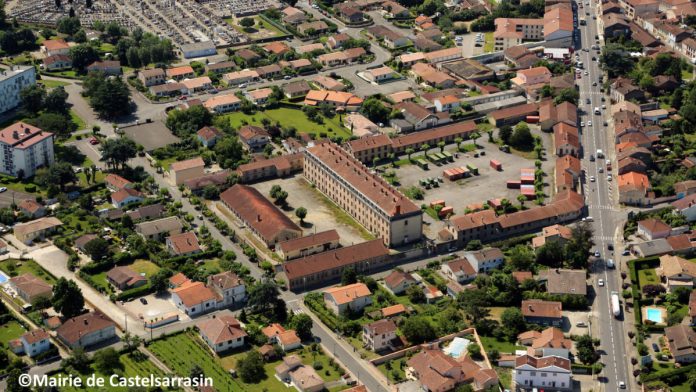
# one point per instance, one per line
(24, 148)
(12, 81)
(374, 203)
(511, 32)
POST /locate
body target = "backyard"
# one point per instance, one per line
(292, 118)
(261, 29)
(491, 343)
(647, 277)
(15, 267)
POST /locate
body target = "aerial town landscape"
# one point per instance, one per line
(357, 196)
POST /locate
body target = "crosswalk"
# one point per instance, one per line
(602, 238)
(603, 207)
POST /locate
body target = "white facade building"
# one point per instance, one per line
(24, 148)
(13, 81)
(546, 372)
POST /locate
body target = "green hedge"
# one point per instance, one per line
(198, 256)
(670, 373)
(587, 369)
(315, 302)
(511, 242)
(136, 292)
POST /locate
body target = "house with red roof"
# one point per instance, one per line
(652, 229)
(126, 196)
(222, 332)
(31, 208)
(183, 244)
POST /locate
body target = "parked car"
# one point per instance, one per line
(143, 301)
(93, 140)
(600, 283)
(3, 189)
(581, 325)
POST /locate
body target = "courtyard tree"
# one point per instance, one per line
(425, 147)
(441, 145)
(586, 350)
(60, 174)
(302, 324)
(301, 213)
(418, 329)
(522, 137)
(97, 248)
(458, 141)
(409, 151)
(107, 360)
(116, 152)
(250, 367)
(67, 298)
(505, 133)
(474, 136)
(247, 23)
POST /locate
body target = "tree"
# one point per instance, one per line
(567, 95)
(425, 147)
(109, 97)
(349, 276)
(131, 342)
(69, 26)
(474, 351)
(185, 122)
(54, 122)
(417, 329)
(60, 173)
(278, 194)
(474, 136)
(229, 151)
(196, 371)
(78, 361)
(513, 323)
(12, 382)
(301, 213)
(67, 298)
(409, 151)
(522, 137)
(374, 109)
(521, 258)
(263, 297)
(302, 324)
(246, 22)
(83, 55)
(458, 141)
(107, 360)
(579, 245)
(250, 368)
(505, 133)
(160, 280)
(415, 294)
(550, 254)
(97, 248)
(33, 98)
(441, 145)
(586, 350)
(56, 101)
(474, 245)
(116, 152)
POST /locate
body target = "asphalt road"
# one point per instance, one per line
(602, 197)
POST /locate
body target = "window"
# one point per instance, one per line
(544, 374)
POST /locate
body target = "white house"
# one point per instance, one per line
(230, 289)
(687, 207)
(485, 260)
(545, 372)
(459, 270)
(194, 298)
(222, 332)
(198, 49)
(355, 296)
(35, 342)
(378, 336)
(86, 330)
(398, 281)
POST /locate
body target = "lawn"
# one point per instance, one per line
(491, 343)
(180, 352)
(505, 376)
(342, 217)
(99, 282)
(396, 374)
(77, 120)
(292, 118)
(67, 74)
(496, 312)
(14, 267)
(647, 276)
(261, 28)
(146, 267)
(687, 74)
(131, 368)
(9, 331)
(52, 83)
(490, 41)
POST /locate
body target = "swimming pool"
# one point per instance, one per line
(3, 277)
(654, 315)
(457, 347)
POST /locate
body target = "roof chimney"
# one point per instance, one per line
(258, 218)
(15, 135)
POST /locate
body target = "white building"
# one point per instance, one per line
(24, 148)
(194, 298)
(35, 342)
(198, 49)
(222, 332)
(546, 372)
(378, 336)
(230, 289)
(355, 296)
(485, 260)
(13, 81)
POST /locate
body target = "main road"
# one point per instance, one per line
(601, 198)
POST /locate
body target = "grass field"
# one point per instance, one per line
(261, 28)
(647, 276)
(490, 343)
(292, 118)
(131, 368)
(10, 331)
(77, 120)
(490, 41)
(14, 267)
(52, 83)
(395, 374)
(146, 267)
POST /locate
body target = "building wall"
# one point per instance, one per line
(377, 342)
(10, 87)
(297, 253)
(542, 379)
(224, 346)
(36, 348)
(203, 307)
(27, 160)
(232, 297)
(182, 175)
(93, 338)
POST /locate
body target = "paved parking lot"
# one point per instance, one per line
(319, 216)
(157, 305)
(9, 196)
(489, 184)
(151, 135)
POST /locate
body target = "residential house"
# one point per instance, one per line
(293, 16)
(551, 114)
(236, 78)
(380, 74)
(53, 47)
(37, 229)
(486, 259)
(296, 89)
(415, 118)
(685, 188)
(317, 27)
(459, 270)
(124, 278)
(308, 245)
(30, 288)
(229, 289)
(221, 67)
(537, 76)
(681, 341)
(692, 307)
(360, 125)
(566, 139)
(379, 335)
(686, 206)
(195, 85)
(437, 371)
(86, 330)
(150, 211)
(183, 244)
(57, 62)
(542, 312)
(353, 297)
(262, 218)
(390, 38)
(125, 197)
(633, 189)
(31, 208)
(304, 378)
(222, 332)
(554, 233)
(223, 103)
(546, 372)
(34, 342)
(549, 342)
(350, 14)
(270, 71)
(168, 89)
(83, 240)
(181, 73)
(286, 339)
(194, 298)
(115, 183)
(253, 138)
(208, 136)
(564, 281)
(399, 281)
(677, 272)
(337, 40)
(277, 48)
(158, 229)
(328, 83)
(181, 171)
(446, 103)
(652, 229)
(614, 25)
(623, 89)
(107, 67)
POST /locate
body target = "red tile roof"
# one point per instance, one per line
(72, 329)
(21, 135)
(539, 308)
(221, 328)
(184, 243)
(311, 240)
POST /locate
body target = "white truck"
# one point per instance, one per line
(600, 154)
(615, 304)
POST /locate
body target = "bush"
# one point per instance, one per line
(30, 188)
(317, 365)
